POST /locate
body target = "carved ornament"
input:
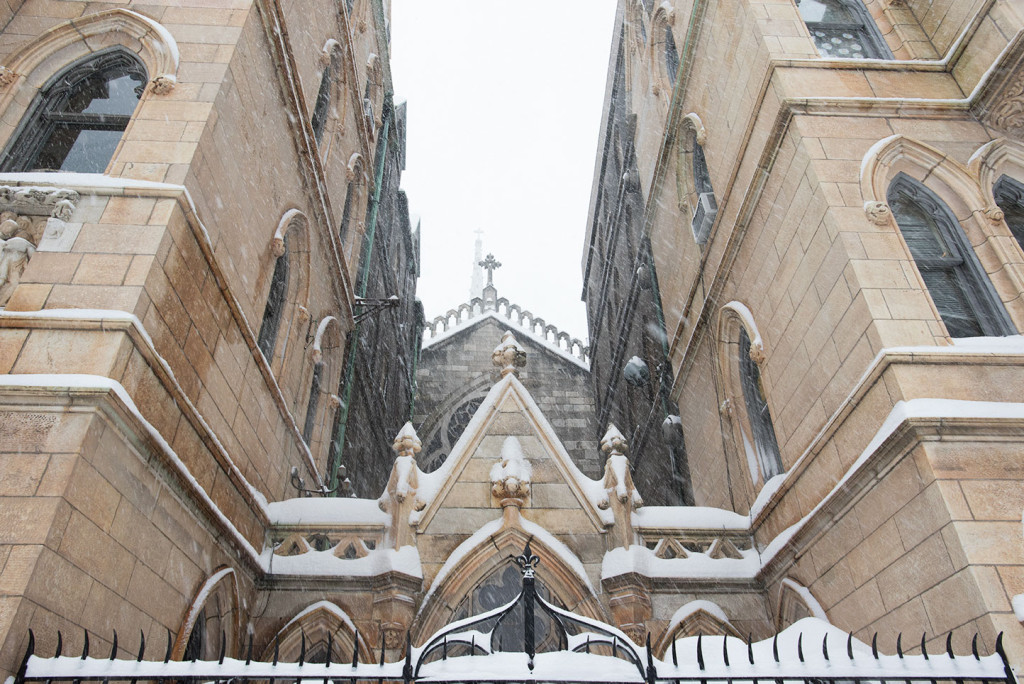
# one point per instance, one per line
(1008, 112)
(164, 84)
(877, 212)
(756, 353)
(38, 201)
(7, 77)
(511, 475)
(994, 214)
(508, 355)
(620, 494)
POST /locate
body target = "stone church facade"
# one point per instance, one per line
(803, 292)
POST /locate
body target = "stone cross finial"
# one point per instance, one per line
(508, 355)
(620, 492)
(490, 263)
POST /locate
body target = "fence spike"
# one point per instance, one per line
(142, 646)
(700, 651)
(775, 647)
(899, 645)
(167, 652)
(615, 647)
(750, 648)
(355, 650)
(974, 647)
(824, 646)
(382, 647)
(849, 646)
(330, 648)
(800, 646)
(85, 645)
(924, 648)
(113, 647)
(949, 644)
(248, 651)
(277, 648)
(223, 647)
(1010, 679)
(874, 645)
(675, 658)
(472, 645)
(652, 672)
(725, 650)
(29, 651)
(444, 647)
(302, 647)
(407, 668)
(60, 644)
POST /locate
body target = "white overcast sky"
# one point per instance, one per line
(504, 104)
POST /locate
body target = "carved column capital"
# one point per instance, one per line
(877, 212)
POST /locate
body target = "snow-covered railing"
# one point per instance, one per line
(505, 645)
(523, 318)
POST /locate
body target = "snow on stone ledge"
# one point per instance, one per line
(405, 560)
(331, 608)
(690, 517)
(642, 561)
(324, 511)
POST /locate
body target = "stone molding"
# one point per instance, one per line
(91, 33)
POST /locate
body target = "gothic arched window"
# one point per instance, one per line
(323, 98)
(274, 309)
(765, 445)
(314, 400)
(671, 55)
(955, 279)
(77, 120)
(707, 207)
(1009, 194)
(843, 29)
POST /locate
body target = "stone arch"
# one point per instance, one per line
(319, 623)
(34, 64)
(690, 133)
(291, 237)
(734, 319)
(332, 63)
(795, 602)
(484, 556)
(325, 373)
(213, 612)
(662, 23)
(692, 619)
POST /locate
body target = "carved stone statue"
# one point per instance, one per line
(620, 493)
(15, 253)
(399, 499)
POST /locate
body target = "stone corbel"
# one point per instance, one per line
(877, 212)
(994, 214)
(161, 85)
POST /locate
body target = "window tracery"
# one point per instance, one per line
(843, 29)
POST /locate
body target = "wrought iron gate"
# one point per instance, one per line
(575, 649)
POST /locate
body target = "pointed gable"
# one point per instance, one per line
(459, 497)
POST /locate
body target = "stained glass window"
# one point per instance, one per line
(274, 310)
(765, 445)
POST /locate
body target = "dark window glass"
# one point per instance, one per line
(671, 55)
(274, 310)
(77, 120)
(194, 647)
(1009, 195)
(323, 99)
(765, 445)
(346, 213)
(844, 29)
(956, 282)
(314, 399)
(348, 6)
(701, 175)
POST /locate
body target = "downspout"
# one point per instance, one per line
(362, 282)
